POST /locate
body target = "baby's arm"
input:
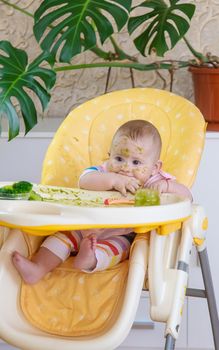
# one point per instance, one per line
(180, 189)
(171, 186)
(98, 181)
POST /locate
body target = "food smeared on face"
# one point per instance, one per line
(140, 150)
(125, 152)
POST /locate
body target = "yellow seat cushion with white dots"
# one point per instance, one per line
(61, 303)
(84, 137)
(71, 303)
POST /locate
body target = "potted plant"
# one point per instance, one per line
(205, 74)
(65, 29)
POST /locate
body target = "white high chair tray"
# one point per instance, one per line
(24, 213)
(40, 216)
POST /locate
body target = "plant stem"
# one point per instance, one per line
(101, 53)
(118, 55)
(138, 66)
(201, 58)
(17, 8)
(121, 55)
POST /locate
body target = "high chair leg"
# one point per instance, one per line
(209, 289)
(199, 224)
(170, 342)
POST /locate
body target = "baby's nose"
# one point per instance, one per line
(126, 166)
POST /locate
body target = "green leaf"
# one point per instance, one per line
(17, 78)
(72, 26)
(163, 25)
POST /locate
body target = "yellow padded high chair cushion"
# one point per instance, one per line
(71, 303)
(83, 140)
(84, 137)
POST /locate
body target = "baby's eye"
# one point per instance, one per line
(136, 162)
(119, 159)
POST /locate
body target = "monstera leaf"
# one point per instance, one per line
(166, 25)
(17, 80)
(71, 26)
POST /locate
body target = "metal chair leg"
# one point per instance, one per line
(212, 306)
(170, 342)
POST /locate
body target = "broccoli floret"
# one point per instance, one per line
(22, 187)
(18, 190)
(34, 196)
(6, 190)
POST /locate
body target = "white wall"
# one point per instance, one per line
(22, 158)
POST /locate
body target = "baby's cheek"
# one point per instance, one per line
(141, 174)
(113, 167)
(110, 167)
(141, 171)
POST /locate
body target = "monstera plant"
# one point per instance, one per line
(66, 28)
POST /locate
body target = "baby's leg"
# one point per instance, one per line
(86, 258)
(101, 254)
(54, 250)
(111, 251)
(33, 270)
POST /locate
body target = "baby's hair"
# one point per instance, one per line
(138, 128)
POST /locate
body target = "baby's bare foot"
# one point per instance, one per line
(28, 270)
(86, 258)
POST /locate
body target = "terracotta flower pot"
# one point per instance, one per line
(206, 90)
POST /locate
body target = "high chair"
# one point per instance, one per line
(73, 310)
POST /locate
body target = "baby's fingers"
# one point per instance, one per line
(131, 188)
(122, 189)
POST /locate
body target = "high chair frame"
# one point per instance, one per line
(208, 292)
(164, 242)
(197, 226)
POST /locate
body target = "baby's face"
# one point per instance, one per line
(132, 158)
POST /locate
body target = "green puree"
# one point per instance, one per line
(145, 197)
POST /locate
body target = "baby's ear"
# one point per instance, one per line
(157, 167)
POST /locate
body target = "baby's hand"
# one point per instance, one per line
(161, 186)
(124, 183)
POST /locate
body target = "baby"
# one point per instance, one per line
(133, 163)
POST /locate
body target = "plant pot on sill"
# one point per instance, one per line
(206, 91)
